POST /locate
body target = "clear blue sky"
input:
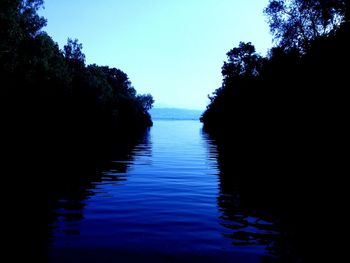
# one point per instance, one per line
(173, 49)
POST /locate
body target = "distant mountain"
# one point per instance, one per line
(175, 114)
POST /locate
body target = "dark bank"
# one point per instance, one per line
(280, 119)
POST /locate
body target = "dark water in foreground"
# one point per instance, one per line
(164, 202)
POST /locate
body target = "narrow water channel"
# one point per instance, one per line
(162, 203)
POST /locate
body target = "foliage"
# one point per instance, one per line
(146, 101)
(72, 52)
(242, 61)
(52, 91)
(283, 87)
(295, 92)
(281, 125)
(294, 23)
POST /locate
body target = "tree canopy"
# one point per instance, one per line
(242, 61)
(296, 83)
(294, 23)
(46, 88)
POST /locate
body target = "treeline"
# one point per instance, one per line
(52, 94)
(60, 120)
(280, 122)
(296, 96)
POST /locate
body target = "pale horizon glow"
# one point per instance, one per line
(173, 50)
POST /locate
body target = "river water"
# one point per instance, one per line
(163, 202)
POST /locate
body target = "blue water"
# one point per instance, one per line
(165, 204)
(175, 114)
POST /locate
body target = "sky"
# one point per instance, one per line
(172, 49)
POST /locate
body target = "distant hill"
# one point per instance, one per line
(175, 114)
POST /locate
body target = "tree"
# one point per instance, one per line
(120, 82)
(19, 22)
(53, 88)
(19, 18)
(237, 92)
(242, 61)
(294, 23)
(73, 52)
(31, 22)
(146, 101)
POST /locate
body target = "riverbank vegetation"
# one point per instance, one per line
(287, 109)
(60, 120)
(50, 95)
(279, 120)
(300, 81)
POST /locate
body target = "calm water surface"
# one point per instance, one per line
(163, 203)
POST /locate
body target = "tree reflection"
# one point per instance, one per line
(52, 188)
(265, 200)
(243, 207)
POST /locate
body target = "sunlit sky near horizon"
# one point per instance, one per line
(173, 49)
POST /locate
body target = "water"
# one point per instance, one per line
(175, 114)
(164, 202)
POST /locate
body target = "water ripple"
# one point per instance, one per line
(166, 202)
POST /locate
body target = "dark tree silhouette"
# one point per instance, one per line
(242, 61)
(295, 23)
(18, 22)
(72, 52)
(54, 87)
(146, 101)
(57, 114)
(279, 124)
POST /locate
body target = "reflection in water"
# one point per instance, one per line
(68, 210)
(245, 227)
(165, 199)
(49, 187)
